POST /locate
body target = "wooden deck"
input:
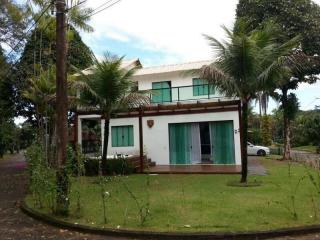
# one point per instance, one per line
(195, 169)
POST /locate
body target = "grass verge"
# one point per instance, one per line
(287, 197)
(309, 148)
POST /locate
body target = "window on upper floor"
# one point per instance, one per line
(122, 136)
(161, 92)
(201, 87)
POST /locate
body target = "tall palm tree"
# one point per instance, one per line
(244, 65)
(111, 90)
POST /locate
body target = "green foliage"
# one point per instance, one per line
(246, 60)
(293, 18)
(298, 17)
(113, 167)
(110, 89)
(39, 55)
(9, 137)
(306, 128)
(254, 136)
(245, 64)
(13, 20)
(42, 183)
(75, 161)
(292, 106)
(266, 130)
(180, 203)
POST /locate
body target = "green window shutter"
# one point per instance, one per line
(162, 92)
(180, 143)
(201, 90)
(122, 136)
(130, 136)
(114, 136)
(222, 135)
(195, 82)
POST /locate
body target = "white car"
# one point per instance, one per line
(257, 150)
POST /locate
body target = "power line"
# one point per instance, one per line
(38, 19)
(35, 22)
(315, 99)
(105, 8)
(76, 5)
(29, 29)
(102, 5)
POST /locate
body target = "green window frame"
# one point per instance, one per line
(201, 87)
(122, 136)
(162, 92)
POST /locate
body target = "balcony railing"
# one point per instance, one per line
(184, 93)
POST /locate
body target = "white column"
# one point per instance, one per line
(79, 132)
(102, 134)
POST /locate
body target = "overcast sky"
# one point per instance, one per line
(168, 31)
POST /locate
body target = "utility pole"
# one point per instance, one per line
(61, 108)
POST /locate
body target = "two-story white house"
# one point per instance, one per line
(188, 123)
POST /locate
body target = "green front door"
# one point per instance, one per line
(180, 143)
(162, 92)
(222, 142)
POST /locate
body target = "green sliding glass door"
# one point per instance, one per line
(222, 142)
(180, 143)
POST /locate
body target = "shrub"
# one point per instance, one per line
(42, 178)
(266, 132)
(75, 161)
(118, 166)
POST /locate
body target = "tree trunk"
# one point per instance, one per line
(61, 110)
(244, 139)
(286, 125)
(105, 144)
(287, 145)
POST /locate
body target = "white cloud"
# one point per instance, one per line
(118, 36)
(171, 26)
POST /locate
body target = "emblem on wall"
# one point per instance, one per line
(150, 123)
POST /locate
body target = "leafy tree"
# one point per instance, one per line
(6, 105)
(244, 63)
(79, 56)
(13, 21)
(41, 93)
(312, 129)
(266, 130)
(110, 90)
(294, 18)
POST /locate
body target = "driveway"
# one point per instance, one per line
(15, 225)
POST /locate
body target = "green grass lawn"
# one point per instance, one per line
(6, 156)
(309, 148)
(200, 202)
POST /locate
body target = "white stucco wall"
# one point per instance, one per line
(177, 79)
(156, 139)
(132, 150)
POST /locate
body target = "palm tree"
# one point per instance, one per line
(111, 90)
(41, 93)
(244, 65)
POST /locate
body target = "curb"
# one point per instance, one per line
(169, 235)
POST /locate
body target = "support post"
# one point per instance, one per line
(62, 200)
(240, 128)
(141, 140)
(75, 130)
(61, 83)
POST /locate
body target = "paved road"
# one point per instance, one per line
(15, 225)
